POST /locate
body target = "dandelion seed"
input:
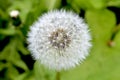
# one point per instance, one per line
(64, 38)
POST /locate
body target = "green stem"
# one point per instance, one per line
(115, 31)
(58, 76)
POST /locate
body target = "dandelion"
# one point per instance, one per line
(59, 39)
(14, 13)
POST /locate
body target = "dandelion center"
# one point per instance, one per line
(59, 39)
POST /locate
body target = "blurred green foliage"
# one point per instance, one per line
(103, 63)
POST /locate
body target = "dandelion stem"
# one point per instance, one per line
(115, 31)
(58, 76)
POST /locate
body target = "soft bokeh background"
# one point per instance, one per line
(103, 17)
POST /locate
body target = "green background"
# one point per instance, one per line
(103, 63)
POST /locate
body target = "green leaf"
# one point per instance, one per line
(98, 4)
(25, 76)
(3, 19)
(11, 72)
(52, 4)
(115, 3)
(1, 37)
(19, 63)
(89, 4)
(19, 37)
(71, 5)
(11, 55)
(6, 52)
(21, 48)
(2, 66)
(21, 76)
(16, 60)
(9, 31)
(104, 19)
(80, 3)
(4, 4)
(49, 5)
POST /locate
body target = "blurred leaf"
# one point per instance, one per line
(98, 4)
(21, 48)
(52, 4)
(104, 19)
(25, 76)
(89, 4)
(28, 22)
(72, 6)
(20, 41)
(114, 3)
(11, 73)
(79, 3)
(16, 60)
(21, 76)
(2, 66)
(3, 19)
(42, 73)
(1, 37)
(19, 63)
(8, 31)
(6, 52)
(37, 8)
(10, 54)
(4, 4)
(49, 5)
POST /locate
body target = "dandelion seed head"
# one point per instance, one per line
(14, 13)
(59, 39)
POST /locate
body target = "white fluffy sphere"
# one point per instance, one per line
(59, 39)
(14, 13)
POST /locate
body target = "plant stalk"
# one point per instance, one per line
(58, 76)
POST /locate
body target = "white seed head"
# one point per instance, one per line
(59, 39)
(14, 13)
